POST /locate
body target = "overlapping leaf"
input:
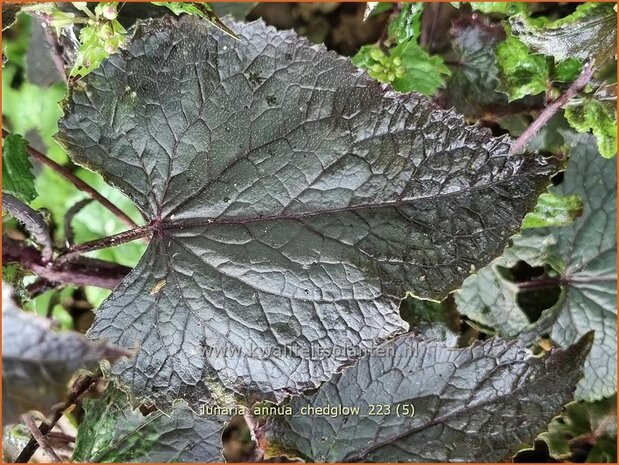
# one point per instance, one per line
(113, 432)
(471, 89)
(420, 401)
(17, 169)
(37, 362)
(584, 254)
(588, 33)
(293, 202)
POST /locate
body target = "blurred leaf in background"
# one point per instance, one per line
(399, 60)
(17, 169)
(38, 362)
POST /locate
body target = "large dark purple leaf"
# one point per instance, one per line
(293, 202)
(421, 401)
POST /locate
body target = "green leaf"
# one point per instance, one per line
(505, 8)
(590, 426)
(17, 177)
(553, 210)
(423, 73)
(376, 8)
(407, 67)
(15, 45)
(407, 25)
(33, 111)
(112, 431)
(37, 362)
(584, 256)
(567, 70)
(202, 10)
(589, 32)
(591, 114)
(521, 72)
(293, 200)
(419, 401)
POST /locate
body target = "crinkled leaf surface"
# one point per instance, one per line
(16, 169)
(497, 389)
(112, 431)
(522, 73)
(589, 32)
(584, 253)
(293, 201)
(599, 117)
(37, 362)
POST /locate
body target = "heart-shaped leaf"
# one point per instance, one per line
(17, 169)
(420, 401)
(292, 200)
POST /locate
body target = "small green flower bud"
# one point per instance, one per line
(376, 54)
(111, 45)
(377, 68)
(106, 31)
(109, 11)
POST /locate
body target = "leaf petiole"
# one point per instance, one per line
(105, 242)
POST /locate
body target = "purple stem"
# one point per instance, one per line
(554, 107)
(82, 271)
(32, 221)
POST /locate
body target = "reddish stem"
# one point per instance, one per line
(83, 271)
(78, 183)
(81, 385)
(553, 108)
(109, 241)
(537, 284)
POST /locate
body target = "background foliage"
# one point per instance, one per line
(498, 64)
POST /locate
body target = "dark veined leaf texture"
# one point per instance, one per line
(421, 401)
(293, 203)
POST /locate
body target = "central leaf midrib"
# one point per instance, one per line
(169, 224)
(442, 419)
